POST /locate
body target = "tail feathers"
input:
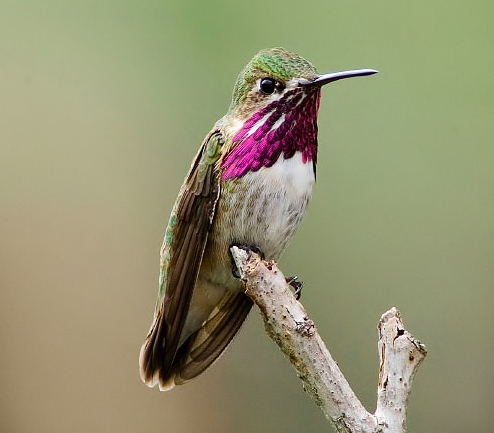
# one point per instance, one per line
(204, 347)
(199, 351)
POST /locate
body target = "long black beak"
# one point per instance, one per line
(321, 80)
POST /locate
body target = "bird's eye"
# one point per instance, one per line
(267, 85)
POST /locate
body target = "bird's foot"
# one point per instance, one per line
(296, 286)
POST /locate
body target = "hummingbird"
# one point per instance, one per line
(248, 185)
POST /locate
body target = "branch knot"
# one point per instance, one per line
(305, 328)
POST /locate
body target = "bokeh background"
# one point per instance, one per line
(103, 105)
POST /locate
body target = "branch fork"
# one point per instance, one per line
(287, 323)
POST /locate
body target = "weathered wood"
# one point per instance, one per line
(287, 323)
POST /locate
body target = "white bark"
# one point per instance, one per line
(287, 323)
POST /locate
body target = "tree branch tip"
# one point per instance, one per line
(245, 260)
(393, 312)
(391, 328)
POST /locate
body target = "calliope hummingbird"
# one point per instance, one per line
(248, 185)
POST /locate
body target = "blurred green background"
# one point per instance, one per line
(103, 105)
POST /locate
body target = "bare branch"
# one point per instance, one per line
(400, 356)
(287, 323)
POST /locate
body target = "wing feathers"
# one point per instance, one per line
(182, 252)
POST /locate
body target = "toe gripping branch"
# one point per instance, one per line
(296, 285)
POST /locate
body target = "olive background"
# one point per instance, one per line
(103, 105)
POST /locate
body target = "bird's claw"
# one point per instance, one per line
(296, 285)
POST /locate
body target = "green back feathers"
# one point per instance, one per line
(276, 63)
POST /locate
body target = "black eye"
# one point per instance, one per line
(267, 85)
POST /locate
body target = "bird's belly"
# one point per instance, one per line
(261, 209)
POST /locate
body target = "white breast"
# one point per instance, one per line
(262, 209)
(276, 203)
(292, 175)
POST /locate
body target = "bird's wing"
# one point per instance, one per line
(181, 256)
